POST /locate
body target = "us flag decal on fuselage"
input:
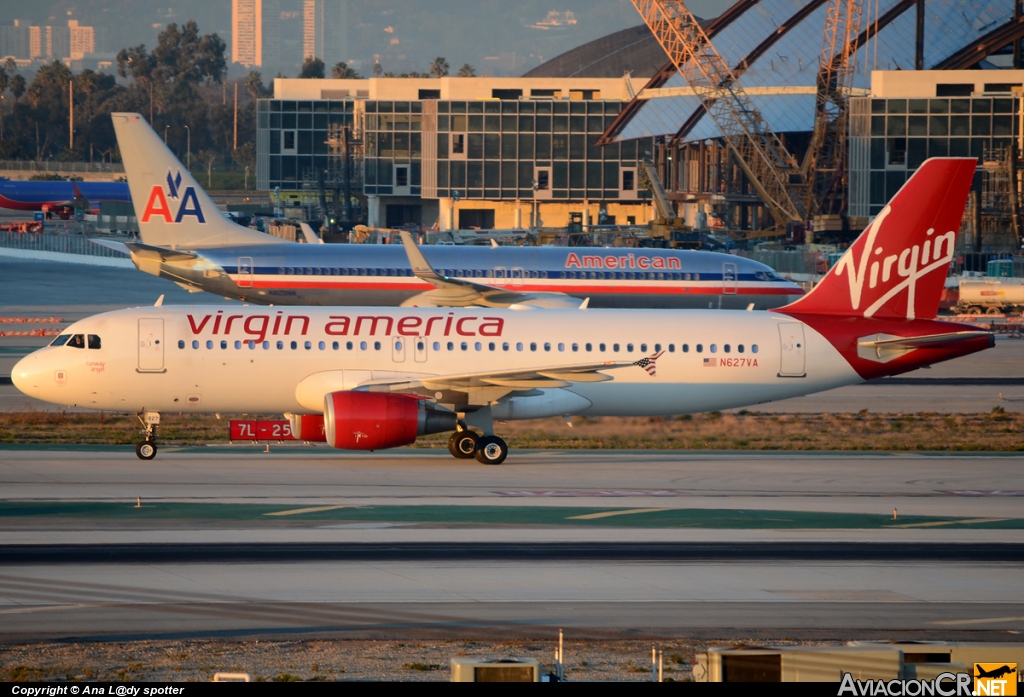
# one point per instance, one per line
(710, 362)
(650, 363)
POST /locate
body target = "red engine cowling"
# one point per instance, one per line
(377, 421)
(309, 428)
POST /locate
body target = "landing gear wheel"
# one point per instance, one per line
(146, 450)
(462, 444)
(491, 450)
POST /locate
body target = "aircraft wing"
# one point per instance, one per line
(459, 292)
(481, 389)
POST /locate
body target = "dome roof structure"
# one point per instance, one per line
(774, 47)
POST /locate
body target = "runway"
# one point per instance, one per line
(237, 543)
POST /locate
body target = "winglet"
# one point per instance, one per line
(421, 268)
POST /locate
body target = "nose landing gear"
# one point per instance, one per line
(146, 450)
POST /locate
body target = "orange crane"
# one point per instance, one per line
(769, 166)
(824, 165)
(791, 193)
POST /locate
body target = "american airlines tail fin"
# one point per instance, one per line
(897, 268)
(171, 207)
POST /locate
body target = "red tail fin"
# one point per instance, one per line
(897, 267)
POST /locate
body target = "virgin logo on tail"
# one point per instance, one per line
(896, 269)
(911, 264)
(158, 206)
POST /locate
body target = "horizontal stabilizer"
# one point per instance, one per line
(111, 244)
(146, 251)
(885, 347)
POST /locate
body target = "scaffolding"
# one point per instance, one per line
(998, 201)
(331, 194)
(824, 166)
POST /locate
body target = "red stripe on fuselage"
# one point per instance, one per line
(27, 205)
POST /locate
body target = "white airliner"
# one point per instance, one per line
(371, 379)
(185, 239)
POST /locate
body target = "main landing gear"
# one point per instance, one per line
(488, 450)
(146, 450)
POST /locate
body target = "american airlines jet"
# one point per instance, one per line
(185, 239)
(372, 379)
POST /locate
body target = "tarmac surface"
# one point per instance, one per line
(239, 543)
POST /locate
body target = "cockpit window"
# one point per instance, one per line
(60, 340)
(94, 341)
(77, 341)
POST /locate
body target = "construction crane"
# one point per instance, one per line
(666, 227)
(760, 153)
(824, 163)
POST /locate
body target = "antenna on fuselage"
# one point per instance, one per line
(159, 302)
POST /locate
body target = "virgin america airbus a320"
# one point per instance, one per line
(372, 378)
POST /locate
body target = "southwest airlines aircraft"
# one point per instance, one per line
(62, 197)
(371, 379)
(185, 239)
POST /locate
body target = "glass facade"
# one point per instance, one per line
(291, 139)
(393, 146)
(890, 138)
(495, 150)
(484, 149)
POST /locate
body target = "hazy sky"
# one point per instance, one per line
(404, 33)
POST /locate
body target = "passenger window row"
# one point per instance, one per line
(504, 276)
(463, 346)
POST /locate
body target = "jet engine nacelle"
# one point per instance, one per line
(376, 421)
(309, 428)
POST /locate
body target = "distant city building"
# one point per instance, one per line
(255, 32)
(82, 40)
(46, 43)
(14, 40)
(308, 29)
(325, 31)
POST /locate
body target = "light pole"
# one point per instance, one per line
(165, 133)
(536, 186)
(188, 164)
(247, 177)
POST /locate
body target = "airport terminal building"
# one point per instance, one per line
(461, 152)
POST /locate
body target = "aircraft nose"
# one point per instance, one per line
(27, 374)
